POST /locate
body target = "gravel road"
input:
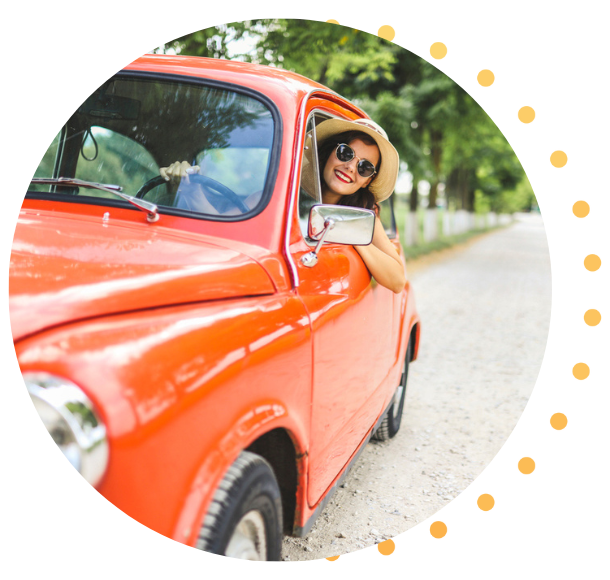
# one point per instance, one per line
(485, 309)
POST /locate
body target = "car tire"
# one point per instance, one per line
(244, 519)
(391, 422)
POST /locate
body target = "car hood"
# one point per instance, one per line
(65, 268)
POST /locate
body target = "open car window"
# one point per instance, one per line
(310, 192)
(310, 188)
(387, 216)
(132, 126)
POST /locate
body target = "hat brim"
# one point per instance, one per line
(385, 180)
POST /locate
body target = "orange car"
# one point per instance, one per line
(194, 349)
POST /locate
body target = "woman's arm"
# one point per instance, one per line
(383, 261)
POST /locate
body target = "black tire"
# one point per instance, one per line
(246, 502)
(391, 422)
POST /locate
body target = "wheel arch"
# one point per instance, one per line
(278, 449)
(414, 339)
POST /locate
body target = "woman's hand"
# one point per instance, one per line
(178, 170)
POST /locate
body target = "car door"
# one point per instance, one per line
(352, 324)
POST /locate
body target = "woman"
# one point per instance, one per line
(359, 167)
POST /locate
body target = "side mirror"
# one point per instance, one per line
(339, 224)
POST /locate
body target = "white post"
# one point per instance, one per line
(430, 225)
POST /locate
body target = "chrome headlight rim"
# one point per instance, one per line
(80, 418)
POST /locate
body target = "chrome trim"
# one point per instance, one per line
(151, 209)
(80, 416)
(296, 179)
(311, 259)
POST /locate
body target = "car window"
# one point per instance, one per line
(309, 188)
(132, 126)
(110, 158)
(386, 215)
(237, 167)
(310, 192)
(47, 163)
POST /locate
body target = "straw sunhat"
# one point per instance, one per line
(384, 181)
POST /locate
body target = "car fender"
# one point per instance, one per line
(249, 427)
(179, 402)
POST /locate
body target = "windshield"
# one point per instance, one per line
(130, 128)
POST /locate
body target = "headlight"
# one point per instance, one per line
(72, 422)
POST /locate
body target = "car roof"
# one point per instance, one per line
(223, 69)
(272, 81)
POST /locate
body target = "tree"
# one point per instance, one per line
(437, 128)
(213, 42)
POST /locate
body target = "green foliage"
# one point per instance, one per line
(437, 128)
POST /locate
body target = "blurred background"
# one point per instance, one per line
(458, 175)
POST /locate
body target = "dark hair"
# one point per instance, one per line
(363, 197)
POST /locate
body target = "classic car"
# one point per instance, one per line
(211, 357)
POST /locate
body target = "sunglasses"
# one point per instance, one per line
(345, 153)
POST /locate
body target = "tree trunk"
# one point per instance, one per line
(436, 152)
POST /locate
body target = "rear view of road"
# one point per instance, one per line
(485, 311)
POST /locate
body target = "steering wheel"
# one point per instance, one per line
(208, 182)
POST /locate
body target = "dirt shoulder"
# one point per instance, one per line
(485, 311)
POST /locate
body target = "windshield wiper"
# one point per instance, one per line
(150, 208)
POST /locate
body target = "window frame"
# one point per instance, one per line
(391, 232)
(318, 184)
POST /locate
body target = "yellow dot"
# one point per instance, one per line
(581, 209)
(526, 114)
(593, 317)
(559, 421)
(486, 78)
(558, 158)
(438, 50)
(438, 529)
(526, 465)
(386, 32)
(580, 371)
(332, 558)
(592, 262)
(333, 22)
(485, 502)
(386, 548)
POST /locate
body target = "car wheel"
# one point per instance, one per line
(245, 517)
(391, 422)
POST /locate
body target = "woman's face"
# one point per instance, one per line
(342, 178)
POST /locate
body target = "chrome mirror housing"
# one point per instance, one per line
(339, 224)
